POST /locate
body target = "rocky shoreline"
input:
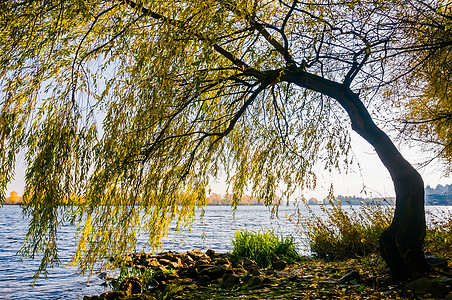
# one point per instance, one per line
(206, 275)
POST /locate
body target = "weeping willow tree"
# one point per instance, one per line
(128, 109)
(429, 112)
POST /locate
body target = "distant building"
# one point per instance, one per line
(441, 195)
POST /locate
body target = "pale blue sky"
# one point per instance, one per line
(374, 175)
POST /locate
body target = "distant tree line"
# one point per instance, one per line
(14, 198)
(217, 199)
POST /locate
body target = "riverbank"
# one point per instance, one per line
(207, 275)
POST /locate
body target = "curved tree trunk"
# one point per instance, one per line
(401, 243)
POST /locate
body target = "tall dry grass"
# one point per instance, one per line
(346, 231)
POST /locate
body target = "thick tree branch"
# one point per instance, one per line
(360, 118)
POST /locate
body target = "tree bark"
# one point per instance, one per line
(401, 243)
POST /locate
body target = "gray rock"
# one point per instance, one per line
(113, 295)
(349, 276)
(222, 261)
(270, 272)
(152, 263)
(256, 281)
(164, 262)
(104, 276)
(239, 270)
(197, 254)
(268, 280)
(437, 287)
(229, 281)
(421, 285)
(203, 280)
(160, 276)
(171, 257)
(247, 278)
(210, 253)
(253, 270)
(215, 272)
(202, 264)
(191, 272)
(353, 281)
(131, 285)
(173, 265)
(245, 262)
(186, 259)
(436, 262)
(279, 265)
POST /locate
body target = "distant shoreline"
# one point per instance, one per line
(261, 204)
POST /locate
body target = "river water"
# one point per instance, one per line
(64, 282)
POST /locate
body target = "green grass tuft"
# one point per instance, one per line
(264, 247)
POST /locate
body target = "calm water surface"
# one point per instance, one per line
(65, 282)
(215, 232)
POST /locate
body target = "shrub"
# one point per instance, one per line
(344, 233)
(264, 247)
(353, 232)
(438, 240)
